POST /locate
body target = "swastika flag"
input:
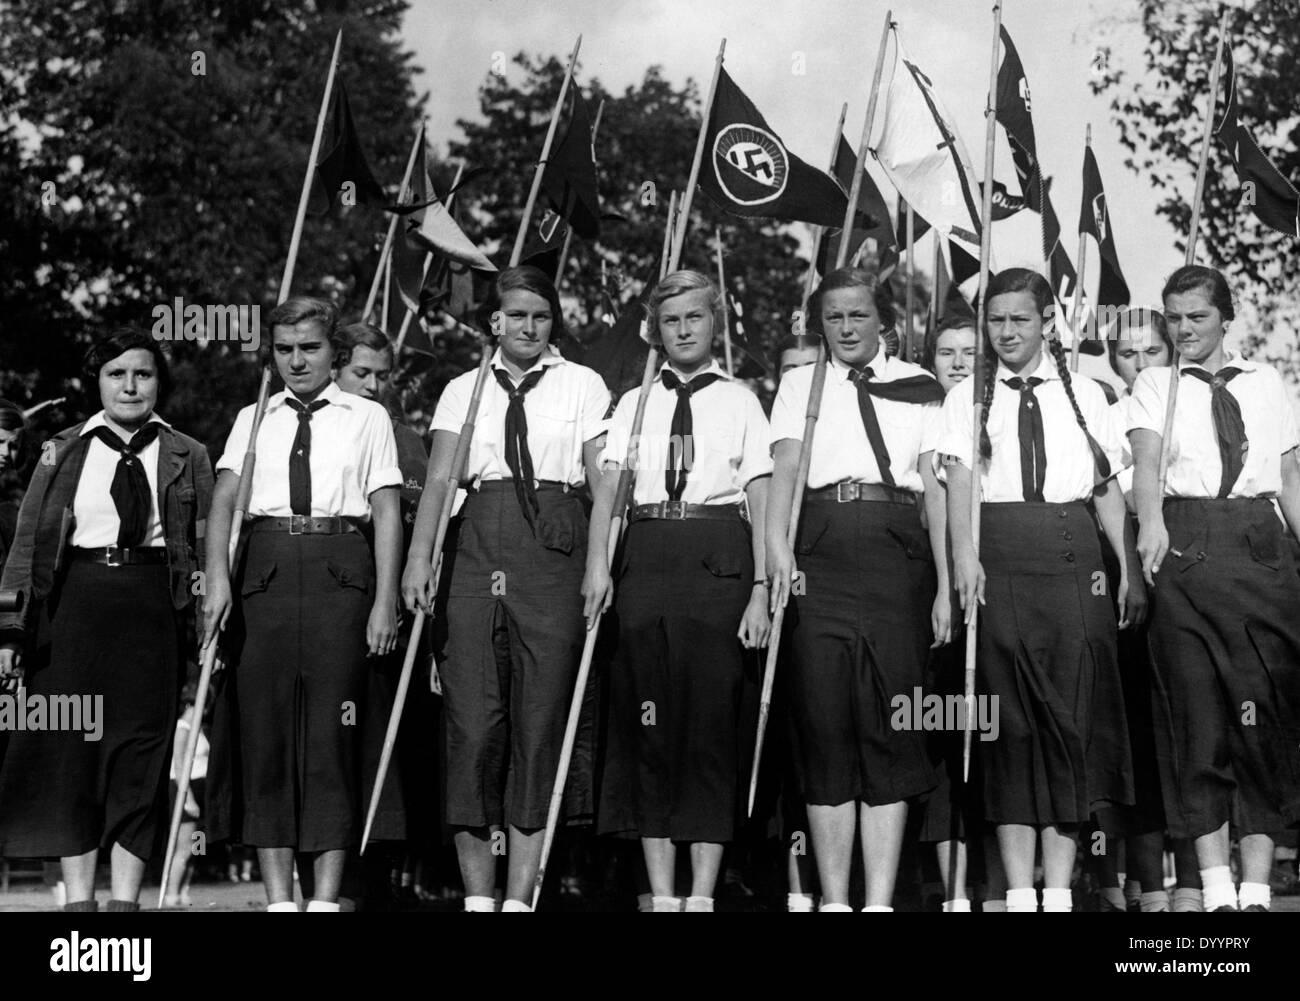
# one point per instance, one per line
(748, 171)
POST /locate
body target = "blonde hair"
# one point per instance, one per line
(679, 283)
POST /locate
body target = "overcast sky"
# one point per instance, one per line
(454, 42)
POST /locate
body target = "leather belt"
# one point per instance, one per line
(301, 524)
(487, 486)
(678, 511)
(116, 556)
(843, 493)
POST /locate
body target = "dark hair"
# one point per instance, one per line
(1196, 278)
(1131, 318)
(302, 309)
(360, 335)
(11, 417)
(844, 278)
(953, 322)
(1023, 280)
(527, 278)
(792, 342)
(118, 343)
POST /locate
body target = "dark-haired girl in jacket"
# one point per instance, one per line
(104, 555)
(1047, 628)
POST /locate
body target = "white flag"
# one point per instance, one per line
(923, 155)
(438, 231)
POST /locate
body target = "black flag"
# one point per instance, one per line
(570, 176)
(343, 176)
(748, 171)
(1272, 197)
(1060, 271)
(872, 216)
(1094, 219)
(1013, 114)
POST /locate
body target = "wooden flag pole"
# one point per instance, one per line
(668, 235)
(568, 232)
(726, 313)
(979, 375)
(909, 352)
(1077, 306)
(424, 273)
(459, 463)
(518, 252)
(388, 287)
(1193, 232)
(932, 314)
(622, 496)
(208, 656)
(818, 232)
(684, 204)
(385, 253)
(812, 413)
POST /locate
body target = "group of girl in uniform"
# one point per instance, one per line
(886, 568)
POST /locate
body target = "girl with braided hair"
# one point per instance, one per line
(1047, 631)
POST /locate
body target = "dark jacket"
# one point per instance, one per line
(45, 522)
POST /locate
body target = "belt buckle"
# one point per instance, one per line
(674, 510)
(299, 524)
(113, 556)
(845, 492)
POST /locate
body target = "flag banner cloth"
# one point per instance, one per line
(924, 157)
(1272, 197)
(748, 171)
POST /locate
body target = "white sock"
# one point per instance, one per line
(998, 905)
(799, 902)
(1114, 896)
(1154, 900)
(1254, 893)
(877, 907)
(645, 902)
(1188, 898)
(516, 907)
(960, 905)
(481, 905)
(835, 908)
(283, 906)
(699, 904)
(666, 904)
(1057, 899)
(1218, 890)
(1023, 900)
(322, 905)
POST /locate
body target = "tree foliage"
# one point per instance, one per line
(153, 150)
(1161, 117)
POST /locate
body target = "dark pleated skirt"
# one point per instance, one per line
(113, 635)
(676, 750)
(286, 750)
(515, 633)
(1047, 650)
(1225, 655)
(859, 638)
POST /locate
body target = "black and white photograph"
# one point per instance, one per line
(643, 456)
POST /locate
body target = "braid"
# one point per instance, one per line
(1099, 457)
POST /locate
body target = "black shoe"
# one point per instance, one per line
(1256, 907)
(1229, 907)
